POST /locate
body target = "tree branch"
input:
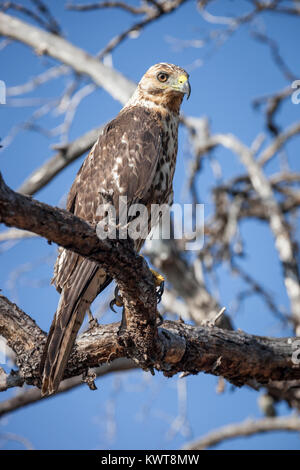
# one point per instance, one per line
(278, 143)
(45, 43)
(33, 395)
(51, 167)
(235, 355)
(271, 208)
(172, 348)
(108, 4)
(247, 428)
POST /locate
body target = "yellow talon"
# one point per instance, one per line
(159, 279)
(160, 283)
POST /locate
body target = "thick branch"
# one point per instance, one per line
(235, 355)
(45, 43)
(194, 349)
(176, 347)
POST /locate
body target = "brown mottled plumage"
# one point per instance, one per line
(134, 156)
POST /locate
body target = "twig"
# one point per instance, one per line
(10, 436)
(45, 11)
(278, 143)
(152, 15)
(273, 103)
(71, 109)
(9, 380)
(274, 48)
(45, 173)
(4, 6)
(38, 80)
(109, 4)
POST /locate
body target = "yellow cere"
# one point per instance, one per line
(182, 78)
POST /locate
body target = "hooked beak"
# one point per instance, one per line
(183, 85)
(187, 89)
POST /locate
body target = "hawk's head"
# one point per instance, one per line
(165, 84)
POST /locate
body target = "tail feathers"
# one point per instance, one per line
(58, 348)
(85, 282)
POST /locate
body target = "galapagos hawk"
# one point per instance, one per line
(134, 156)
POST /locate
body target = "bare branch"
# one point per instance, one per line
(273, 103)
(168, 6)
(273, 211)
(259, 290)
(109, 4)
(247, 428)
(278, 226)
(9, 380)
(45, 43)
(38, 80)
(71, 110)
(278, 143)
(15, 234)
(278, 59)
(45, 173)
(45, 11)
(200, 305)
(30, 13)
(11, 436)
(33, 395)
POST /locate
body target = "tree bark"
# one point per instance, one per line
(235, 355)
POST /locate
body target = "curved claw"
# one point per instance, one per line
(116, 301)
(111, 305)
(159, 283)
(160, 291)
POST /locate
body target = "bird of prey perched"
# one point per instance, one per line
(134, 156)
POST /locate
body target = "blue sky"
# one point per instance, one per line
(141, 407)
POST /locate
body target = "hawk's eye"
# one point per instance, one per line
(162, 76)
